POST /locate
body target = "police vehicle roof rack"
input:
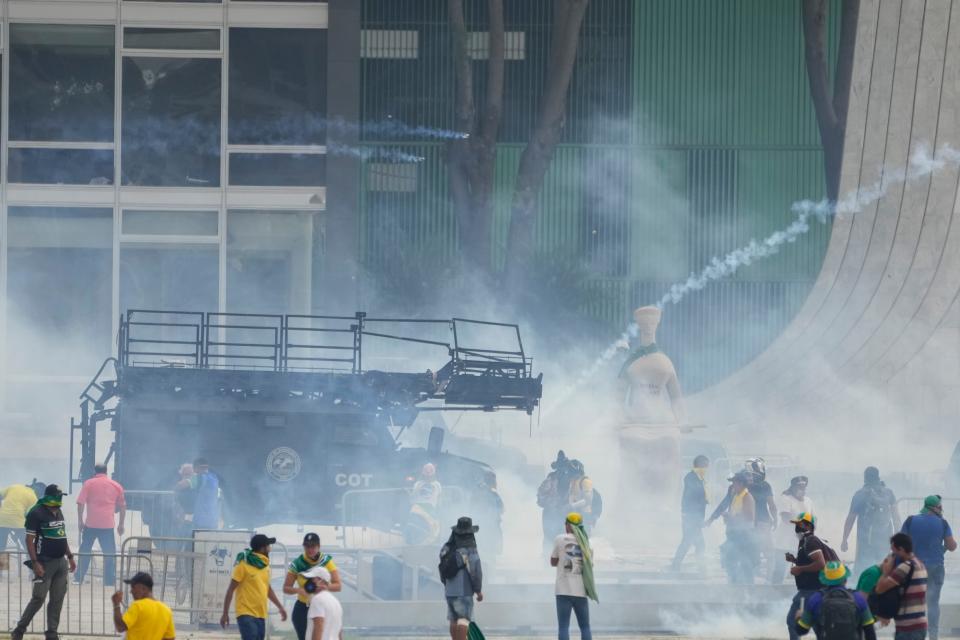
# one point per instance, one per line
(314, 351)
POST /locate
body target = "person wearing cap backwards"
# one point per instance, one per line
(145, 618)
(835, 611)
(574, 587)
(932, 537)
(325, 615)
(251, 582)
(296, 580)
(51, 561)
(812, 556)
(468, 581)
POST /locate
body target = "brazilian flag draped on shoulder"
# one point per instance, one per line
(575, 520)
(252, 558)
(301, 563)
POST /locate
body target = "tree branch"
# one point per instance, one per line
(815, 50)
(535, 160)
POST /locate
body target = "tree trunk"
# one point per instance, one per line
(536, 157)
(831, 112)
(471, 161)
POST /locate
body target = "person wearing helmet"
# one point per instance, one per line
(552, 496)
(765, 516)
(581, 497)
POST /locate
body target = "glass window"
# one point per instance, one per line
(269, 261)
(278, 80)
(170, 38)
(61, 82)
(170, 223)
(60, 166)
(59, 266)
(171, 122)
(278, 169)
(169, 277)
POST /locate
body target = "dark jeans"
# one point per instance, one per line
(54, 583)
(581, 607)
(910, 635)
(803, 595)
(692, 531)
(299, 619)
(251, 628)
(935, 576)
(108, 545)
(11, 538)
(738, 554)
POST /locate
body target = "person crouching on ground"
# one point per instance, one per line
(145, 618)
(835, 611)
(251, 582)
(573, 559)
(324, 615)
(460, 586)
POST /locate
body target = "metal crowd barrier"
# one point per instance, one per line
(86, 611)
(180, 567)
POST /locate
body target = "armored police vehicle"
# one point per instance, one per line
(299, 416)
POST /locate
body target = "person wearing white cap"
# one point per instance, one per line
(325, 615)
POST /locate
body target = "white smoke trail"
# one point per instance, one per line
(922, 164)
(372, 153)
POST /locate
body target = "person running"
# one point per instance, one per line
(812, 556)
(296, 579)
(50, 559)
(574, 586)
(903, 570)
(145, 618)
(738, 553)
(932, 537)
(100, 498)
(325, 614)
(836, 612)
(874, 510)
(462, 576)
(251, 582)
(15, 502)
(693, 513)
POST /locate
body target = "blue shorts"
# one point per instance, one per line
(459, 607)
(251, 628)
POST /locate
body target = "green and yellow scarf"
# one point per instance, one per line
(575, 520)
(252, 558)
(52, 502)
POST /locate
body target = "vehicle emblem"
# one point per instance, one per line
(283, 464)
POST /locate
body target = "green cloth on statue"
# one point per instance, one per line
(636, 354)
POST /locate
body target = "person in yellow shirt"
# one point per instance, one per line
(145, 618)
(251, 582)
(295, 581)
(15, 501)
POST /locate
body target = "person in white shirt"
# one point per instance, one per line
(794, 501)
(573, 559)
(324, 615)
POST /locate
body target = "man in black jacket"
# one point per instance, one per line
(693, 511)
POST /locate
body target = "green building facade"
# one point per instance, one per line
(690, 131)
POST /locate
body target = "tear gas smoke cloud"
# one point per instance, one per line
(922, 164)
(371, 153)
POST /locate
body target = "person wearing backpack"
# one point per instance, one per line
(461, 575)
(874, 510)
(932, 538)
(835, 612)
(812, 556)
(905, 578)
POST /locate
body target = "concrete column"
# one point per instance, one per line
(335, 272)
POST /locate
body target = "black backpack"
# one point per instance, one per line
(839, 618)
(876, 514)
(448, 567)
(887, 604)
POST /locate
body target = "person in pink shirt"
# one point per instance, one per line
(99, 499)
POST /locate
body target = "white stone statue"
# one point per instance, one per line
(652, 391)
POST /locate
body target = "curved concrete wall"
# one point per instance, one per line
(892, 270)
